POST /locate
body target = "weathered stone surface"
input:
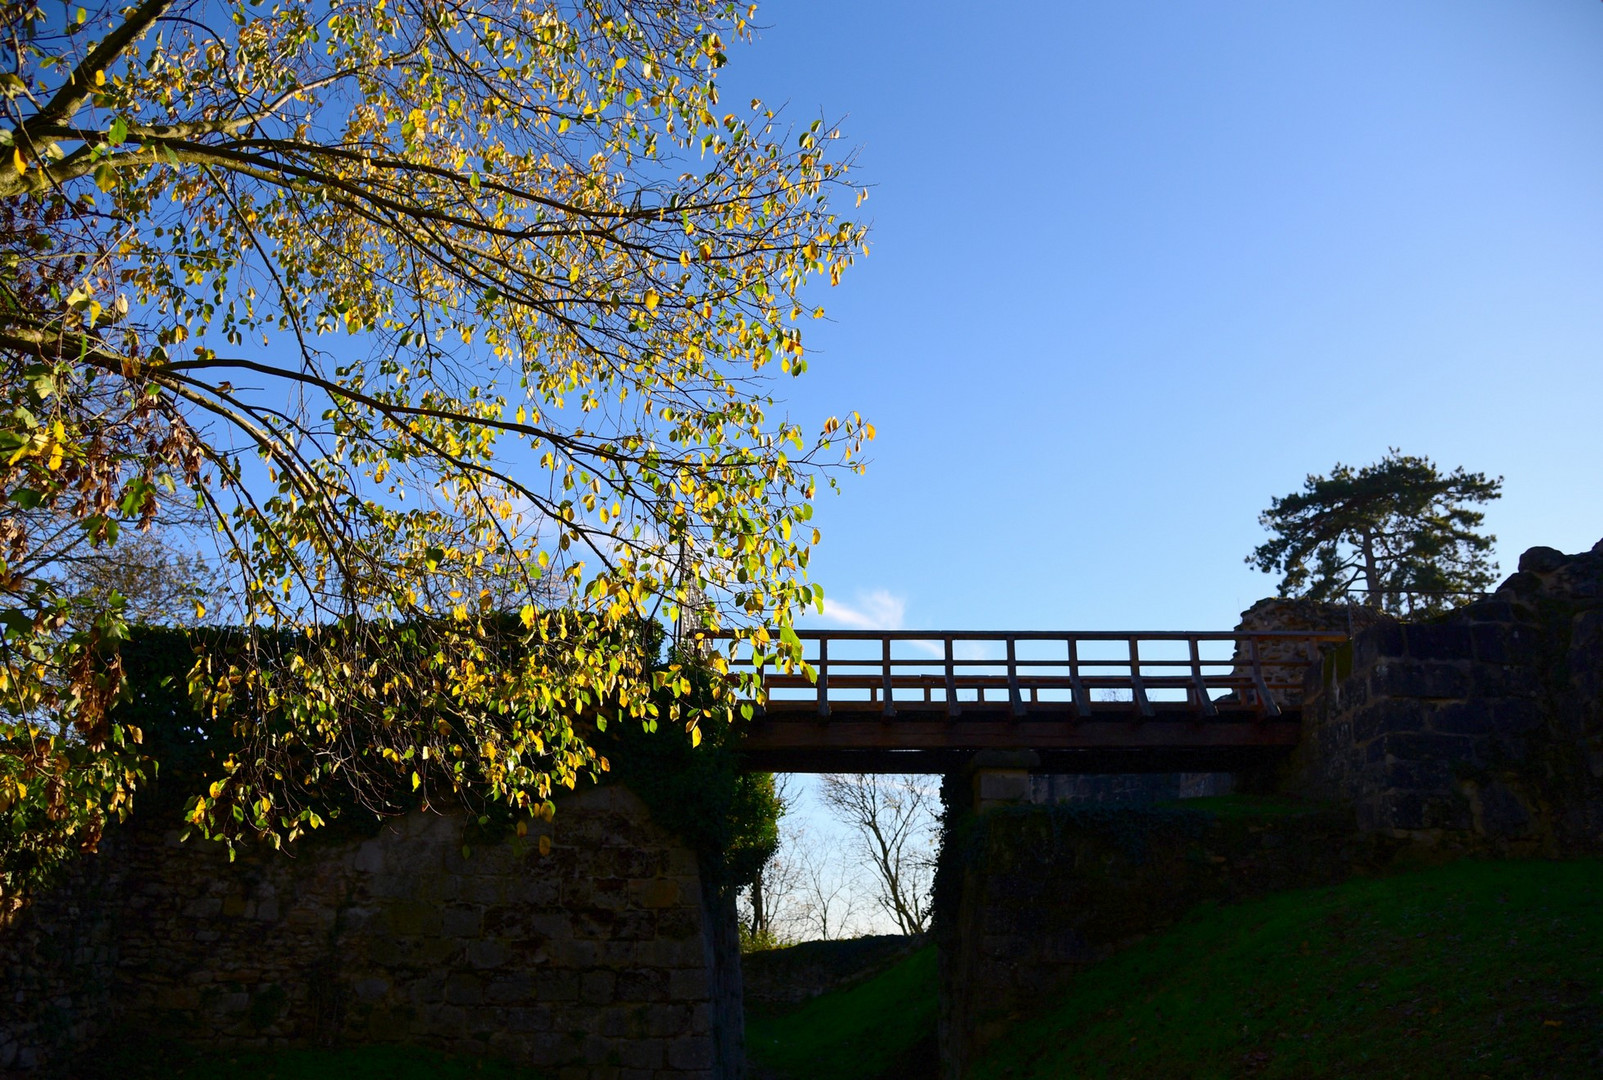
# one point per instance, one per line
(794, 974)
(561, 962)
(1032, 894)
(1127, 788)
(1481, 730)
(1542, 560)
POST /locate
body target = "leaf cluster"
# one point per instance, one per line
(433, 310)
(697, 789)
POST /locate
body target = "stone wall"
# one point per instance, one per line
(1481, 729)
(1127, 788)
(1032, 894)
(1480, 732)
(794, 974)
(1283, 662)
(606, 959)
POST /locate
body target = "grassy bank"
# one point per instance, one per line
(1478, 969)
(879, 1029)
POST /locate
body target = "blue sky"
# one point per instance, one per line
(1138, 267)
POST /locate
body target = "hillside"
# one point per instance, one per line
(878, 1030)
(1477, 969)
(1474, 969)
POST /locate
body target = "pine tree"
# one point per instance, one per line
(1400, 532)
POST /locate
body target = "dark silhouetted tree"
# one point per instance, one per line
(1401, 532)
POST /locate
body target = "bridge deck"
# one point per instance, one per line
(906, 700)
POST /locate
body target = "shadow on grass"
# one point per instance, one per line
(1475, 969)
(882, 1029)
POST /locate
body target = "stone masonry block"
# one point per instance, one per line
(688, 984)
(667, 1021)
(1436, 641)
(1490, 610)
(1428, 777)
(671, 952)
(1445, 749)
(487, 954)
(462, 988)
(413, 918)
(1406, 678)
(644, 985)
(507, 989)
(656, 892)
(644, 1054)
(557, 986)
(1502, 643)
(1472, 717)
(1400, 810)
(1516, 715)
(528, 1019)
(994, 787)
(370, 857)
(1388, 715)
(620, 1022)
(462, 921)
(1505, 680)
(690, 1053)
(597, 987)
(1379, 642)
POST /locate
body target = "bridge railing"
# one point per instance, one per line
(1081, 674)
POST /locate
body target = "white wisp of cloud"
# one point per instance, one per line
(876, 610)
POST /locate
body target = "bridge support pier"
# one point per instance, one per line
(1001, 777)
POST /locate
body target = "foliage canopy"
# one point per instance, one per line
(435, 310)
(1401, 532)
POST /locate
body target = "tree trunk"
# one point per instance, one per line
(1371, 571)
(759, 911)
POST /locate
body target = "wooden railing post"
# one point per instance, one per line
(889, 703)
(1138, 689)
(1270, 707)
(1199, 684)
(823, 678)
(1082, 704)
(953, 708)
(1013, 678)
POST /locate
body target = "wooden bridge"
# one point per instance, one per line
(922, 701)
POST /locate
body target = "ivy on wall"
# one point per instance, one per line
(694, 788)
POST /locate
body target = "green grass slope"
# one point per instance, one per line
(1476, 969)
(881, 1028)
